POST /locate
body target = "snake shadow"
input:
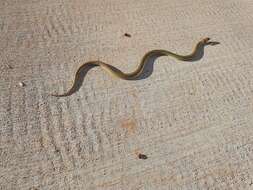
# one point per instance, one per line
(147, 70)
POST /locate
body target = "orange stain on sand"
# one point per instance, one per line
(129, 125)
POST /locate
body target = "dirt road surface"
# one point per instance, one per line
(186, 125)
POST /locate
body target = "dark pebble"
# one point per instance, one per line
(142, 156)
(127, 35)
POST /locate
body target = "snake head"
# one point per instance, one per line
(205, 40)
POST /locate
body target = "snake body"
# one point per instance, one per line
(138, 71)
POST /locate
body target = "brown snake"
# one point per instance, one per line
(135, 74)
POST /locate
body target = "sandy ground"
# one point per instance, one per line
(193, 120)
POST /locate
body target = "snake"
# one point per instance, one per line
(114, 72)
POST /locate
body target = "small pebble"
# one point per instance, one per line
(142, 156)
(21, 84)
(127, 35)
